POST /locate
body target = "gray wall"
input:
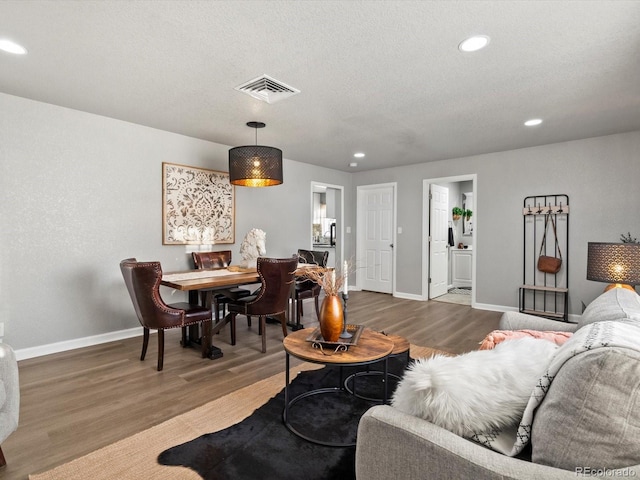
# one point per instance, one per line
(600, 175)
(80, 192)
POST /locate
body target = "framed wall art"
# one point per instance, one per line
(198, 206)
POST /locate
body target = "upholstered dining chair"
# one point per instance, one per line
(306, 288)
(212, 260)
(143, 283)
(272, 299)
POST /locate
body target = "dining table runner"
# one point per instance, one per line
(176, 277)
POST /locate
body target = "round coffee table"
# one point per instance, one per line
(372, 347)
(400, 348)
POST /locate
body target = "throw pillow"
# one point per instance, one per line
(618, 304)
(475, 392)
(590, 416)
(499, 336)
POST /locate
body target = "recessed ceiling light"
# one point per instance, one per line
(358, 155)
(12, 47)
(353, 164)
(533, 122)
(474, 43)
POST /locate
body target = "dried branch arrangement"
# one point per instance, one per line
(327, 278)
(331, 280)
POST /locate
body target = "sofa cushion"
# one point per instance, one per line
(590, 416)
(618, 304)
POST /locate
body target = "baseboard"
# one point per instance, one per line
(408, 296)
(25, 353)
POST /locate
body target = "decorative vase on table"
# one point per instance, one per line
(331, 318)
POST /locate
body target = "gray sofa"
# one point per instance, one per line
(587, 423)
(9, 395)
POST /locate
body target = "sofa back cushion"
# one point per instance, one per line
(618, 304)
(590, 416)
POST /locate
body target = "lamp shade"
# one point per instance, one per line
(614, 262)
(255, 166)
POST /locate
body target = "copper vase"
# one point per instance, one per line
(331, 318)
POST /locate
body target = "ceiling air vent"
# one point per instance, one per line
(267, 89)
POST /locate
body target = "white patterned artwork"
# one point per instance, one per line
(197, 206)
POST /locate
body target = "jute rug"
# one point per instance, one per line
(136, 457)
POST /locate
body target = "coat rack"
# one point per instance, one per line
(545, 294)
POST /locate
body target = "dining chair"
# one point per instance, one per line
(213, 260)
(143, 283)
(277, 276)
(306, 288)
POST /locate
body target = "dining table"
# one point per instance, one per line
(207, 281)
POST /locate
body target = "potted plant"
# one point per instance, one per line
(467, 214)
(457, 213)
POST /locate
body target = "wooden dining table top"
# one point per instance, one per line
(213, 278)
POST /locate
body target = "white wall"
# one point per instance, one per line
(600, 175)
(80, 192)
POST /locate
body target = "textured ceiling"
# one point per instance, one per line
(382, 77)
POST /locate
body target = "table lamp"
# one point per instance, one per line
(615, 263)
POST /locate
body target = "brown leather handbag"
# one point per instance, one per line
(546, 263)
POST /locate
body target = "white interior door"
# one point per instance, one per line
(438, 233)
(377, 239)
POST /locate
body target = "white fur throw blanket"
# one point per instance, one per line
(596, 335)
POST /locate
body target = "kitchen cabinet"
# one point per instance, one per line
(331, 260)
(461, 267)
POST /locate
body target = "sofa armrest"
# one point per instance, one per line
(392, 444)
(9, 410)
(523, 321)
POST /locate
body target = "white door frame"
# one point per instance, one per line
(340, 242)
(425, 229)
(360, 229)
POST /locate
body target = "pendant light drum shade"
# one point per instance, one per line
(255, 165)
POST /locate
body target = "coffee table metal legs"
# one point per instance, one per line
(289, 402)
(351, 387)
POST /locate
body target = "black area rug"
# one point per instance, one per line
(261, 447)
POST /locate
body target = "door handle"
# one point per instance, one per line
(391, 245)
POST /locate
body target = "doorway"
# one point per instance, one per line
(376, 221)
(327, 213)
(456, 265)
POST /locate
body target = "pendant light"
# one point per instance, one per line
(255, 165)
